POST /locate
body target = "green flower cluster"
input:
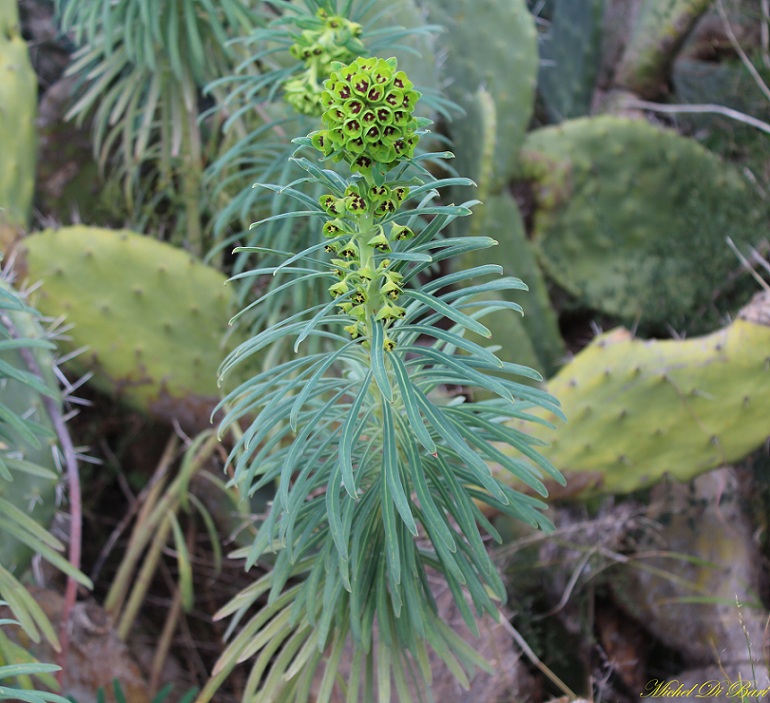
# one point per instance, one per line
(369, 120)
(366, 286)
(330, 39)
(368, 115)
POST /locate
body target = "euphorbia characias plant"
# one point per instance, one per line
(379, 471)
(325, 39)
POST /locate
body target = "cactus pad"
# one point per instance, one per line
(632, 219)
(571, 52)
(18, 107)
(152, 317)
(660, 30)
(639, 411)
(490, 44)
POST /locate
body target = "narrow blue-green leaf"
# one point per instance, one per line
(410, 256)
(455, 340)
(455, 315)
(439, 183)
(37, 534)
(254, 273)
(477, 242)
(15, 694)
(349, 435)
(172, 41)
(354, 678)
(311, 474)
(32, 669)
(287, 216)
(460, 276)
(390, 467)
(383, 673)
(451, 210)
(383, 586)
(378, 360)
(311, 587)
(331, 594)
(299, 445)
(5, 474)
(336, 527)
(317, 319)
(480, 469)
(451, 483)
(311, 384)
(193, 37)
(18, 424)
(433, 517)
(309, 201)
(304, 254)
(417, 425)
(330, 178)
(506, 283)
(515, 438)
(331, 668)
(25, 344)
(274, 290)
(462, 366)
(393, 558)
(415, 606)
(365, 541)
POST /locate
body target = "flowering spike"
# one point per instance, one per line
(368, 114)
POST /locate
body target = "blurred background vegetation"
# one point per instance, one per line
(621, 150)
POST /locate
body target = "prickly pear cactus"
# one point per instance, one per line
(639, 411)
(632, 219)
(18, 107)
(725, 83)
(28, 474)
(152, 317)
(660, 30)
(571, 52)
(490, 44)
